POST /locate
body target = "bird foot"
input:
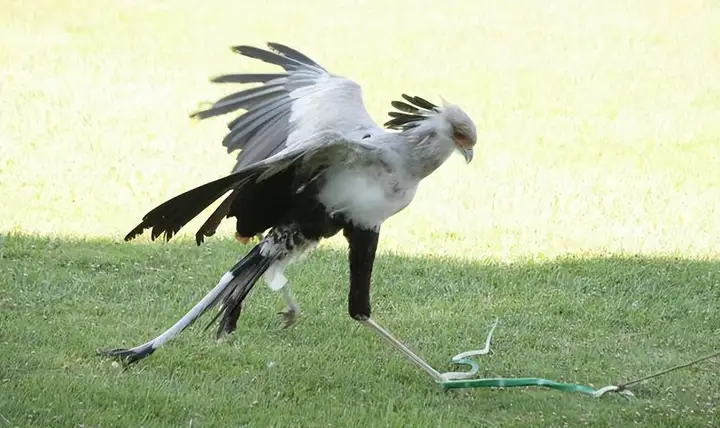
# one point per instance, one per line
(127, 356)
(289, 316)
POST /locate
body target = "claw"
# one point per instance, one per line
(289, 316)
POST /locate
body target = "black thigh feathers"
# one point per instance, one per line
(283, 200)
(362, 243)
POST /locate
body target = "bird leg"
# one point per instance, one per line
(363, 243)
(277, 281)
(410, 355)
(292, 310)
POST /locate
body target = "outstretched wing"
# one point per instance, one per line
(288, 107)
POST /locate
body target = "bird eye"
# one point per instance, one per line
(458, 135)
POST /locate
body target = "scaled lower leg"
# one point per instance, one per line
(290, 303)
(372, 325)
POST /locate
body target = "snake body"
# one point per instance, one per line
(458, 379)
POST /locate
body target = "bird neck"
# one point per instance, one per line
(425, 152)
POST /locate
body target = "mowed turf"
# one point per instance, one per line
(588, 221)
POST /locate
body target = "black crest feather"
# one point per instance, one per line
(410, 113)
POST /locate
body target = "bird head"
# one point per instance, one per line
(449, 122)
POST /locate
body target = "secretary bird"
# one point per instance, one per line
(312, 163)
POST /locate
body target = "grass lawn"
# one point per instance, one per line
(589, 221)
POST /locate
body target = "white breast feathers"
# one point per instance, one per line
(367, 195)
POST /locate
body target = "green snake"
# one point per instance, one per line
(453, 380)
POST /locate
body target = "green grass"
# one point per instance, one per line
(588, 221)
(596, 320)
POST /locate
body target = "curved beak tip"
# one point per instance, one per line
(468, 154)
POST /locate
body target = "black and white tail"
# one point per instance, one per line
(228, 295)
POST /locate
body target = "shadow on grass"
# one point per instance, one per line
(592, 321)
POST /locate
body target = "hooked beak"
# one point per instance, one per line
(466, 148)
(467, 153)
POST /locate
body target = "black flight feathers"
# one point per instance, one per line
(411, 114)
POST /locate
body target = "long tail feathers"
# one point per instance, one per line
(230, 292)
(244, 278)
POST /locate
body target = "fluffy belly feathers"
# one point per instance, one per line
(365, 197)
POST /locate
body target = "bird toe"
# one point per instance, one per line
(288, 316)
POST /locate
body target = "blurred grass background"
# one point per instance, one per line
(598, 121)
